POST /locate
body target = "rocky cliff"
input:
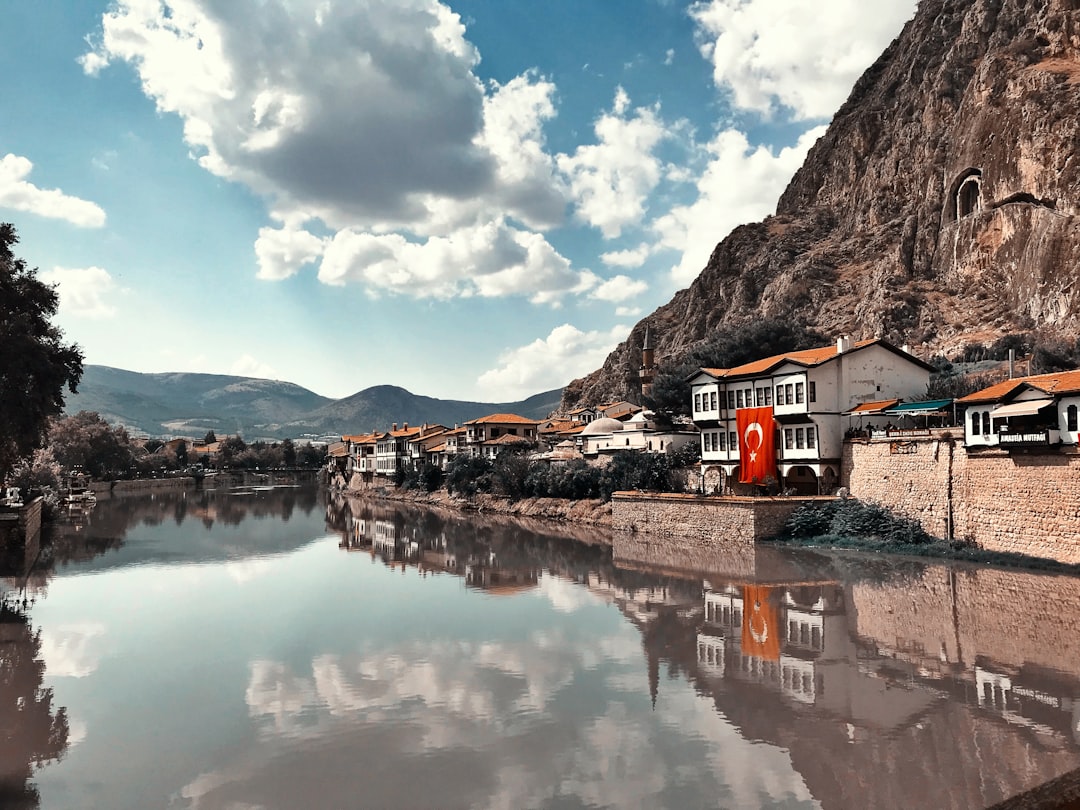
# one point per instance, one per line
(940, 207)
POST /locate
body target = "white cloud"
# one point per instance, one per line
(633, 257)
(669, 56)
(72, 650)
(802, 55)
(282, 252)
(628, 312)
(550, 362)
(18, 194)
(248, 366)
(489, 260)
(619, 288)
(388, 138)
(611, 180)
(741, 184)
(84, 292)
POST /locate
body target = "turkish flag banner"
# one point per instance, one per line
(757, 447)
(760, 624)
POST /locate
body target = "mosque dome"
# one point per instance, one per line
(601, 426)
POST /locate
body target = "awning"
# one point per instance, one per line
(1025, 408)
(924, 408)
(872, 408)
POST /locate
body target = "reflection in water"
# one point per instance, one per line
(421, 658)
(32, 732)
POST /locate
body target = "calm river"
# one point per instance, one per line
(248, 649)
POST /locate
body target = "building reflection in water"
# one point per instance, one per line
(890, 685)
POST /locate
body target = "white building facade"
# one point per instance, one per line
(808, 393)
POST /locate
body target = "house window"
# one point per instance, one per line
(712, 398)
(721, 437)
(494, 432)
(799, 394)
(800, 439)
(760, 392)
(789, 439)
(789, 396)
(732, 440)
(1070, 418)
(813, 391)
(811, 432)
(975, 423)
(779, 395)
(767, 391)
(704, 442)
(697, 403)
(731, 400)
(986, 422)
(738, 399)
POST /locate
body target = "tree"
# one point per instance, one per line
(210, 438)
(35, 363)
(288, 453)
(88, 441)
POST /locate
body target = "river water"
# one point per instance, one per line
(268, 648)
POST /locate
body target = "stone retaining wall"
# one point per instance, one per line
(1020, 502)
(702, 521)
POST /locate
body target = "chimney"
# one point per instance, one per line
(843, 344)
(393, 427)
(404, 425)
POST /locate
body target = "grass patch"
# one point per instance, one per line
(852, 524)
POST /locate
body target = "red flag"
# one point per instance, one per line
(760, 627)
(757, 447)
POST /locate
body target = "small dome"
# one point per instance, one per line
(601, 426)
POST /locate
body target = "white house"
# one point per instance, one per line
(1024, 412)
(805, 394)
(607, 435)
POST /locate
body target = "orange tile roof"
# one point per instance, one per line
(806, 357)
(361, 438)
(503, 418)
(715, 372)
(439, 448)
(507, 438)
(557, 426)
(878, 405)
(1056, 382)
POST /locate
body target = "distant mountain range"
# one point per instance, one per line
(182, 404)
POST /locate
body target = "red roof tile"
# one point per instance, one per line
(1057, 382)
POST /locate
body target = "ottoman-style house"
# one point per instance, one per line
(1024, 412)
(779, 421)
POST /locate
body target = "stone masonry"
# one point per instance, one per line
(1027, 503)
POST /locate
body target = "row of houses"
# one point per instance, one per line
(780, 421)
(783, 419)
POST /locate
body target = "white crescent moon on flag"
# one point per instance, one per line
(754, 427)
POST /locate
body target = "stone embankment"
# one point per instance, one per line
(1020, 502)
(581, 512)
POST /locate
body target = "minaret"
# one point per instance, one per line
(648, 365)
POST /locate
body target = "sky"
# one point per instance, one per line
(473, 199)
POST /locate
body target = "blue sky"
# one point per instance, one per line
(474, 200)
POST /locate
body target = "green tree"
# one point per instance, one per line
(209, 438)
(288, 453)
(181, 454)
(35, 363)
(88, 441)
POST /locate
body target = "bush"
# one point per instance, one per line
(851, 519)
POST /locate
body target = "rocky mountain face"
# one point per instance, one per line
(939, 209)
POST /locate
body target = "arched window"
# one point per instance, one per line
(964, 196)
(986, 422)
(1070, 418)
(969, 197)
(975, 423)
